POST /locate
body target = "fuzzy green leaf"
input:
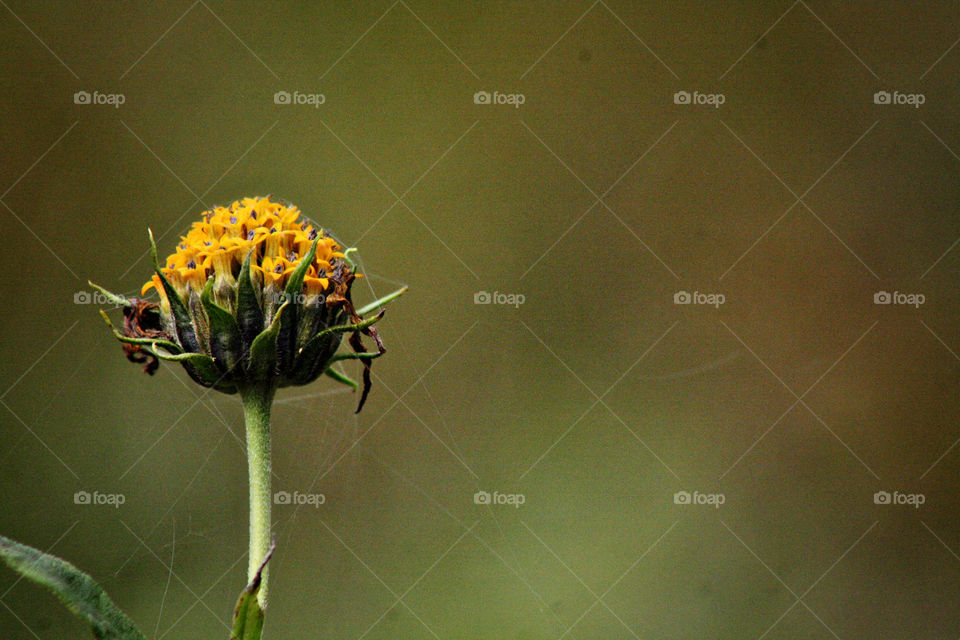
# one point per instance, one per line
(77, 590)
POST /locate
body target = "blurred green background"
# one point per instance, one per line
(598, 398)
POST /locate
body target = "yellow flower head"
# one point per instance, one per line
(217, 244)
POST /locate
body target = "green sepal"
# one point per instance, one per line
(295, 282)
(316, 316)
(249, 312)
(199, 317)
(263, 351)
(248, 616)
(376, 304)
(349, 260)
(307, 359)
(185, 329)
(166, 344)
(202, 368)
(77, 590)
(287, 338)
(197, 359)
(224, 333)
(115, 298)
(365, 355)
(342, 378)
(307, 365)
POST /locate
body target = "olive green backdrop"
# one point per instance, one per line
(597, 200)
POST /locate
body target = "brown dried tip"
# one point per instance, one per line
(142, 320)
(356, 343)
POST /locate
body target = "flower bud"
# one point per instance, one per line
(254, 296)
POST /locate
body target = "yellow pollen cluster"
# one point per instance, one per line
(218, 244)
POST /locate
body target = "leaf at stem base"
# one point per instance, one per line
(248, 616)
(77, 590)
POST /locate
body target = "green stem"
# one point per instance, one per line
(256, 413)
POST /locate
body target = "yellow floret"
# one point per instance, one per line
(217, 244)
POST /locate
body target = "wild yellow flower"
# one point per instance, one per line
(255, 295)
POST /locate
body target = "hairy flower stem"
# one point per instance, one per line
(257, 400)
